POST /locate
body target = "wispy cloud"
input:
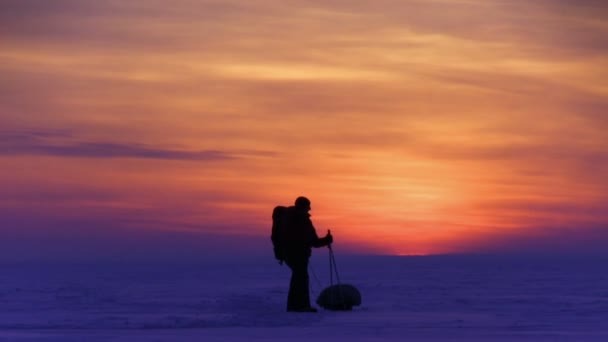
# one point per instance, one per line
(542, 239)
(37, 143)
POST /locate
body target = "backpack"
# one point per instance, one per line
(279, 229)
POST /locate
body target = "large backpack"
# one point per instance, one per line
(280, 218)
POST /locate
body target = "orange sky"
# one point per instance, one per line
(415, 127)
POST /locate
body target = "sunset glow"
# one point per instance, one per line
(415, 127)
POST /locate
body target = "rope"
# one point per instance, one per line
(333, 268)
(314, 274)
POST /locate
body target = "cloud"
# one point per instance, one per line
(32, 237)
(543, 240)
(544, 208)
(538, 152)
(297, 72)
(145, 25)
(37, 143)
(563, 28)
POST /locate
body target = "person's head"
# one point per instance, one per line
(302, 203)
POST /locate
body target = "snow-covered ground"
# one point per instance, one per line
(404, 298)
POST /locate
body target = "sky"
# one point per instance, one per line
(415, 127)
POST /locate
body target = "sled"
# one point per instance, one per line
(338, 297)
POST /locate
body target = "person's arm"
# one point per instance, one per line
(320, 242)
(324, 241)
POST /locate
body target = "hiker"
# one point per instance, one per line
(299, 237)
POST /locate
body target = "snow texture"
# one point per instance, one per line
(447, 298)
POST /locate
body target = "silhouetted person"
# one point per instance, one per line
(300, 237)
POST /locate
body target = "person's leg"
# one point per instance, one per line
(303, 285)
(298, 298)
(292, 296)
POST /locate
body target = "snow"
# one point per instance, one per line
(442, 298)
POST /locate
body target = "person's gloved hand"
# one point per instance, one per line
(329, 238)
